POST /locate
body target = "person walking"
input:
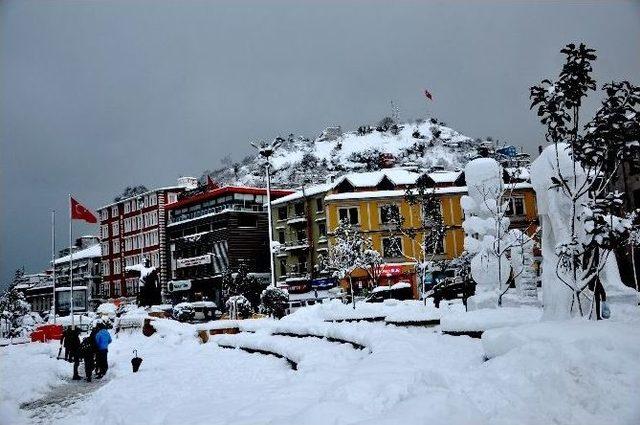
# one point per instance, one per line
(73, 343)
(64, 341)
(94, 348)
(103, 339)
(88, 353)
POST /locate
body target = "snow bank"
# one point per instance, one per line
(571, 372)
(481, 320)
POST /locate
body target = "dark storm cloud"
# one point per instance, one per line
(97, 95)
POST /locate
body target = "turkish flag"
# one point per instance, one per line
(79, 212)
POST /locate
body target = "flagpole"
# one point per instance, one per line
(53, 260)
(71, 259)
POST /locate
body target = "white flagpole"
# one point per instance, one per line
(71, 259)
(53, 260)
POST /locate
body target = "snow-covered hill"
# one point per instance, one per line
(423, 144)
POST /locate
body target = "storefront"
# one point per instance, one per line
(63, 300)
(390, 274)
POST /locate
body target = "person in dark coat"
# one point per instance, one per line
(92, 338)
(64, 341)
(73, 343)
(103, 339)
(88, 353)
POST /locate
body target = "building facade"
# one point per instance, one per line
(213, 230)
(300, 227)
(371, 201)
(87, 277)
(134, 229)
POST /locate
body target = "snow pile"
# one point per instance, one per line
(481, 320)
(108, 309)
(27, 372)
(574, 372)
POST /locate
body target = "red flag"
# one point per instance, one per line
(211, 184)
(428, 95)
(79, 212)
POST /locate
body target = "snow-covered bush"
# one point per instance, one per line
(15, 311)
(274, 302)
(239, 307)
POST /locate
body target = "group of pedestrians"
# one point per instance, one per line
(93, 350)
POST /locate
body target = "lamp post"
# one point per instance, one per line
(266, 150)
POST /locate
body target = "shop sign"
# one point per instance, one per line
(193, 261)
(324, 283)
(179, 285)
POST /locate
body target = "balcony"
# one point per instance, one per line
(296, 245)
(215, 210)
(297, 219)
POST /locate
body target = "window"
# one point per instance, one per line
(389, 213)
(116, 289)
(319, 205)
(116, 247)
(283, 267)
(247, 220)
(127, 207)
(114, 211)
(281, 236)
(116, 267)
(298, 209)
(301, 235)
(515, 206)
(115, 228)
(392, 247)
(282, 213)
(105, 249)
(349, 214)
(172, 197)
(322, 229)
(104, 214)
(153, 199)
(104, 231)
(105, 268)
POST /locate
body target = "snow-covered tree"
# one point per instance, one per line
(430, 231)
(573, 179)
(242, 283)
(347, 253)
(274, 302)
(15, 311)
(239, 307)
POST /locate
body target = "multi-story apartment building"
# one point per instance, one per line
(134, 229)
(37, 290)
(372, 210)
(300, 226)
(215, 229)
(87, 276)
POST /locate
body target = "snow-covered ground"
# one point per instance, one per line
(537, 373)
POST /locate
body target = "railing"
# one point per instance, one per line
(216, 209)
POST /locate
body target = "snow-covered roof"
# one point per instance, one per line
(92, 252)
(159, 189)
(370, 194)
(445, 176)
(308, 191)
(398, 176)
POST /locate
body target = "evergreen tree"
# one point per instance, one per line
(15, 311)
(274, 302)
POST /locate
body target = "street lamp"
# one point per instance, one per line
(266, 150)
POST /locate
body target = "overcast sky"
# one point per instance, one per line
(96, 95)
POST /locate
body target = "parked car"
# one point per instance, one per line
(399, 291)
(183, 312)
(204, 310)
(450, 284)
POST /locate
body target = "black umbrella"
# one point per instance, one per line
(136, 361)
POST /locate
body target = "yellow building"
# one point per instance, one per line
(369, 200)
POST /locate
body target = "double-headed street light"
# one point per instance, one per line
(266, 150)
